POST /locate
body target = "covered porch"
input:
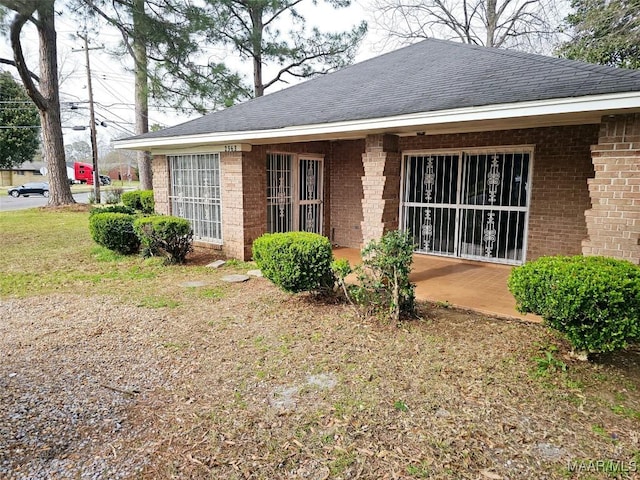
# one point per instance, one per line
(477, 286)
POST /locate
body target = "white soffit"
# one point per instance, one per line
(587, 108)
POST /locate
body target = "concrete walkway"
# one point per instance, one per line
(477, 286)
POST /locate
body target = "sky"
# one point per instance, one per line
(113, 85)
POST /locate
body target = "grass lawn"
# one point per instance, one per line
(239, 381)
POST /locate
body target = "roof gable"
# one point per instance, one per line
(429, 76)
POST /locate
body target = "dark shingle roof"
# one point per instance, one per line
(428, 76)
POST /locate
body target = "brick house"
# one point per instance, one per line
(480, 153)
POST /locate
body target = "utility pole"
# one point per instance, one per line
(92, 120)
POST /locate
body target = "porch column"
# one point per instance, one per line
(161, 179)
(613, 222)
(380, 185)
(244, 202)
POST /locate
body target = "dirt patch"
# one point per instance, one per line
(74, 207)
(262, 384)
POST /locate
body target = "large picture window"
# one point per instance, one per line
(195, 193)
(469, 204)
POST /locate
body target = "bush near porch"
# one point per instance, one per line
(295, 261)
(594, 301)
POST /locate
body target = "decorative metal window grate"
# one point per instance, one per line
(196, 193)
(279, 192)
(468, 204)
(294, 193)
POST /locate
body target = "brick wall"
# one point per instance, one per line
(559, 198)
(614, 221)
(161, 185)
(380, 186)
(345, 195)
(561, 167)
(232, 204)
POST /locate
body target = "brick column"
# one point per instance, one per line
(613, 222)
(243, 202)
(161, 186)
(380, 185)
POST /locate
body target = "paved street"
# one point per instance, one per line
(9, 203)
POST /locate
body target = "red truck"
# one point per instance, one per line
(79, 172)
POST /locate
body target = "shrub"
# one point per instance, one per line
(132, 199)
(167, 236)
(594, 301)
(147, 202)
(384, 275)
(111, 209)
(114, 231)
(295, 261)
(113, 196)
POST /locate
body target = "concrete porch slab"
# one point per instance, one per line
(477, 286)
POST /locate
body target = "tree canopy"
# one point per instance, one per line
(529, 25)
(275, 33)
(19, 123)
(605, 32)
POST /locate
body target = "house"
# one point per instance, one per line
(480, 153)
(27, 172)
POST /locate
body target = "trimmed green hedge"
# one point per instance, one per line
(114, 231)
(111, 209)
(295, 261)
(167, 236)
(147, 202)
(594, 301)
(132, 199)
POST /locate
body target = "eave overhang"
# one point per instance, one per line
(553, 112)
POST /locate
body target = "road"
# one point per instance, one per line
(9, 203)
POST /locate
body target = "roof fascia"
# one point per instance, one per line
(627, 101)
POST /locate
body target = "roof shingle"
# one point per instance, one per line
(428, 76)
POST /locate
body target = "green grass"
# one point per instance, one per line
(50, 250)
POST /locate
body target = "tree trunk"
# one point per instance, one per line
(47, 98)
(53, 145)
(141, 91)
(492, 23)
(256, 48)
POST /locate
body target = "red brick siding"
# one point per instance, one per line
(161, 185)
(345, 196)
(614, 221)
(380, 185)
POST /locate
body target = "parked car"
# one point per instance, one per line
(33, 188)
(105, 180)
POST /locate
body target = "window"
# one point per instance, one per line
(196, 193)
(469, 204)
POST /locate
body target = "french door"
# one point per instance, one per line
(294, 192)
(468, 204)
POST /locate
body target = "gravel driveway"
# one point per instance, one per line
(71, 368)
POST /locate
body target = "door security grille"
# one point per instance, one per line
(468, 204)
(294, 193)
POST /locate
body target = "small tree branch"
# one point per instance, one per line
(6, 61)
(20, 63)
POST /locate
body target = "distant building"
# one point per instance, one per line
(123, 172)
(27, 172)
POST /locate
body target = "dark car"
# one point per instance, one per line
(33, 188)
(105, 180)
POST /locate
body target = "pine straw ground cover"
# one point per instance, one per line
(112, 369)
